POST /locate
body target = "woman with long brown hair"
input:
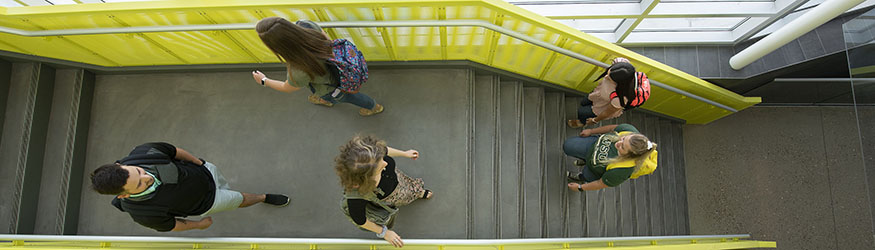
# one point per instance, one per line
(373, 188)
(305, 49)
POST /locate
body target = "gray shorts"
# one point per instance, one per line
(226, 199)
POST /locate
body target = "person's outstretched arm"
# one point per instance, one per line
(183, 155)
(594, 185)
(274, 84)
(410, 153)
(599, 130)
(183, 224)
(610, 110)
(390, 236)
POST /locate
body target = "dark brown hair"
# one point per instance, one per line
(109, 179)
(358, 162)
(301, 48)
(623, 74)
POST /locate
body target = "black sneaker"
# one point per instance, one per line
(277, 200)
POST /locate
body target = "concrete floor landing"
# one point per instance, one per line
(490, 149)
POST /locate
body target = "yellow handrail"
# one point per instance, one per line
(475, 44)
(139, 242)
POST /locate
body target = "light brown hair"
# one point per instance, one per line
(637, 150)
(298, 47)
(358, 162)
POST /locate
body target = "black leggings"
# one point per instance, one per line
(584, 111)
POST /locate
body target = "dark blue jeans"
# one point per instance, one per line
(584, 111)
(357, 99)
(577, 147)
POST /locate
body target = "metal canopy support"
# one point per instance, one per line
(629, 24)
(788, 8)
(804, 24)
(355, 24)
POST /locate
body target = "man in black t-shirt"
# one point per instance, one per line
(157, 183)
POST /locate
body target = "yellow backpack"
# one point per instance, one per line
(647, 167)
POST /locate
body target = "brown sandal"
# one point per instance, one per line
(369, 112)
(574, 124)
(314, 99)
(426, 194)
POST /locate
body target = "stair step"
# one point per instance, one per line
(485, 153)
(640, 187)
(575, 209)
(509, 165)
(554, 112)
(657, 226)
(533, 162)
(626, 200)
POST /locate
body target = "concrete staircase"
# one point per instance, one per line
(518, 187)
(491, 145)
(44, 117)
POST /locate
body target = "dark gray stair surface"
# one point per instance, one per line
(491, 150)
(555, 195)
(510, 165)
(484, 206)
(533, 162)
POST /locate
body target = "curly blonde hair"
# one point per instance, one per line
(358, 162)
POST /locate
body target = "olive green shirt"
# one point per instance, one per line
(300, 79)
(598, 162)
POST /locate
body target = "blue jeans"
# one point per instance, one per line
(577, 147)
(357, 99)
(585, 110)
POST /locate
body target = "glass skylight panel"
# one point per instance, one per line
(669, 1)
(14, 3)
(35, 2)
(592, 25)
(572, 10)
(118, 1)
(690, 24)
(9, 3)
(60, 2)
(535, 2)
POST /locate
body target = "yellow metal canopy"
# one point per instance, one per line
(436, 42)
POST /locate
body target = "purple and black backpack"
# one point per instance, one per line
(348, 67)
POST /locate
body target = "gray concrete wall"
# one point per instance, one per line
(266, 141)
(866, 116)
(789, 174)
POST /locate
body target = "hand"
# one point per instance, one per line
(412, 154)
(205, 223)
(620, 59)
(590, 121)
(393, 239)
(585, 132)
(257, 75)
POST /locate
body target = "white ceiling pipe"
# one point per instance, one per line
(807, 22)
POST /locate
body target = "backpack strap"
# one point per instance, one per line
(144, 155)
(149, 159)
(354, 194)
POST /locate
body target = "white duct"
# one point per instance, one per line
(815, 17)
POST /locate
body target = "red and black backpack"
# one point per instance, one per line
(642, 91)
